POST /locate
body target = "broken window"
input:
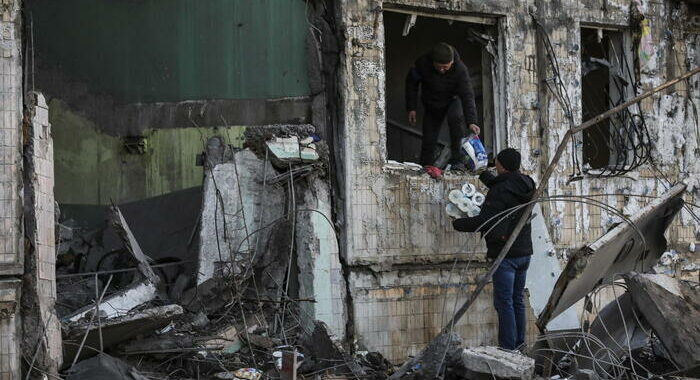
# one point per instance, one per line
(621, 143)
(408, 35)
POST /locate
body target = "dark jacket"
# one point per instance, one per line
(505, 191)
(439, 89)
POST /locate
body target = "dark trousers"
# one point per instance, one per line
(508, 289)
(432, 123)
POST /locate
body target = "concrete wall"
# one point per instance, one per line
(41, 337)
(97, 168)
(11, 258)
(399, 244)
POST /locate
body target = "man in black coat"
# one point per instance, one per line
(446, 91)
(507, 190)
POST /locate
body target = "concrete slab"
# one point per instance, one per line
(498, 363)
(635, 245)
(672, 315)
(116, 330)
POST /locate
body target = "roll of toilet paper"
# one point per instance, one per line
(455, 196)
(468, 189)
(466, 204)
(478, 199)
(453, 211)
(474, 211)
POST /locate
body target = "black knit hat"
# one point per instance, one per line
(442, 53)
(509, 159)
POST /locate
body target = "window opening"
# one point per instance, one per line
(621, 143)
(407, 37)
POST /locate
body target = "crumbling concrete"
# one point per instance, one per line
(41, 338)
(111, 332)
(120, 303)
(498, 363)
(672, 309)
(138, 293)
(320, 272)
(237, 212)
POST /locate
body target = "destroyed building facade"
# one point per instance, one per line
(171, 112)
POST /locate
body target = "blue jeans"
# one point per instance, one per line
(508, 289)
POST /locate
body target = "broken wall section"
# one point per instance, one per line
(272, 226)
(11, 260)
(320, 272)
(41, 337)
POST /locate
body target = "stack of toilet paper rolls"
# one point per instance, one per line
(464, 202)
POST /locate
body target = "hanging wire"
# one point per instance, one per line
(626, 136)
(627, 139)
(556, 86)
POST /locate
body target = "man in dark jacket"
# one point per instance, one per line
(507, 190)
(446, 91)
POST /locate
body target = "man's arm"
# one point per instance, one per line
(489, 209)
(486, 177)
(466, 95)
(413, 80)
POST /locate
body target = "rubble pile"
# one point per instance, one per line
(245, 312)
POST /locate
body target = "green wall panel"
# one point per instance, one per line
(95, 168)
(173, 50)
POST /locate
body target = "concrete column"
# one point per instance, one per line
(320, 272)
(41, 338)
(10, 186)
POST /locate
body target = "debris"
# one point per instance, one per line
(103, 367)
(669, 257)
(429, 363)
(262, 341)
(501, 364)
(226, 341)
(116, 330)
(247, 374)
(672, 308)
(395, 165)
(124, 232)
(617, 330)
(585, 374)
(322, 347)
(120, 303)
(138, 293)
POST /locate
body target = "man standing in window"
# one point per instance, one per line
(446, 91)
(508, 189)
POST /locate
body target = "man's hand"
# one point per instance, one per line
(475, 128)
(412, 118)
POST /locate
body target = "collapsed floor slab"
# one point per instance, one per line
(114, 331)
(121, 302)
(635, 244)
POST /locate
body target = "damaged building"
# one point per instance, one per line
(229, 189)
